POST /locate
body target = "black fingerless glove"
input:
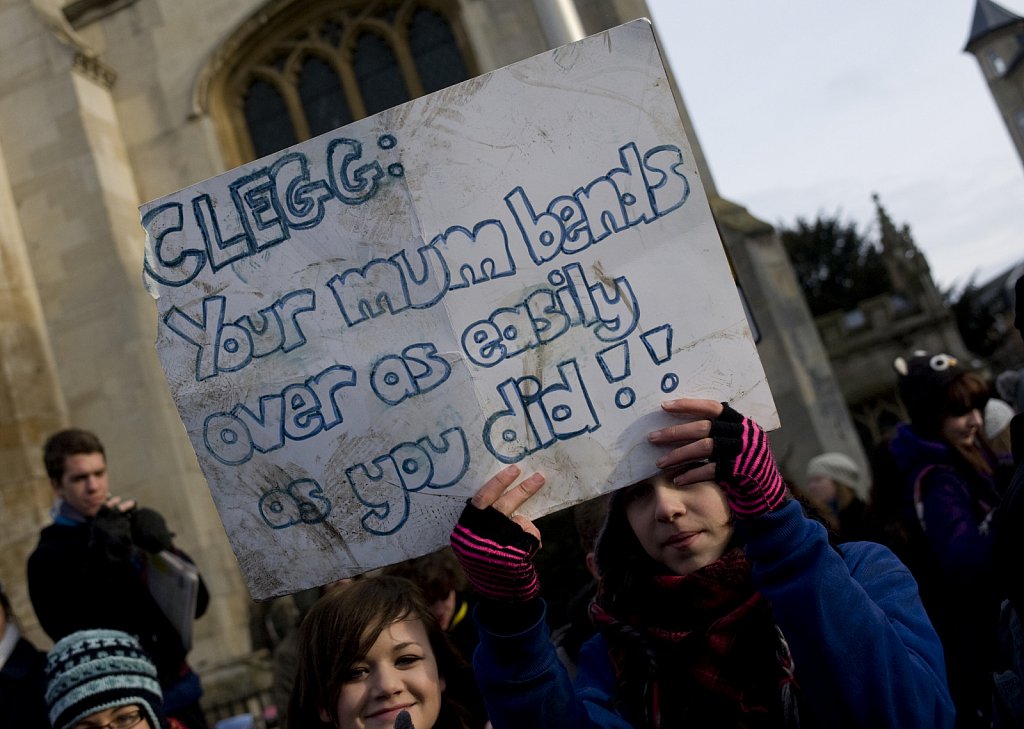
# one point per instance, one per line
(496, 555)
(745, 467)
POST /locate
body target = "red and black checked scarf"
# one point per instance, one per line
(698, 650)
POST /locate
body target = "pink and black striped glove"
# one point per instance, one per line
(496, 555)
(745, 467)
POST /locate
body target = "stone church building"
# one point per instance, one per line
(106, 104)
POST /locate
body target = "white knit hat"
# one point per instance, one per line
(998, 415)
(841, 469)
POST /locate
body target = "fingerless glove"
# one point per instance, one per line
(745, 467)
(496, 555)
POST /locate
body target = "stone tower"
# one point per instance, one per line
(997, 42)
(906, 265)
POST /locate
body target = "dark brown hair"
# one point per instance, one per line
(70, 442)
(589, 517)
(340, 629)
(966, 393)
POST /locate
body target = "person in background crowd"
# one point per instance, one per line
(838, 489)
(103, 679)
(372, 653)
(588, 517)
(89, 568)
(440, 579)
(719, 603)
(997, 417)
(22, 682)
(1010, 387)
(949, 493)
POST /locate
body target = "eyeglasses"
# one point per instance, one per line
(124, 721)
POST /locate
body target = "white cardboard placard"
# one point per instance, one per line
(359, 330)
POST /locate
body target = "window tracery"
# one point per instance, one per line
(310, 67)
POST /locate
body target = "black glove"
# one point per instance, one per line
(149, 531)
(110, 533)
(746, 469)
(496, 555)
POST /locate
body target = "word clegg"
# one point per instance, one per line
(266, 206)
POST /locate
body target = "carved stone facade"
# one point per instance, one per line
(105, 104)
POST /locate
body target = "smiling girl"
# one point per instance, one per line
(951, 485)
(370, 653)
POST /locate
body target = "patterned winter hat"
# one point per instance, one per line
(997, 417)
(93, 670)
(923, 379)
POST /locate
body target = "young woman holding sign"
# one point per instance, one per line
(719, 603)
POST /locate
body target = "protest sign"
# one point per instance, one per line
(359, 330)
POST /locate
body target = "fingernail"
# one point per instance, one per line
(660, 463)
(653, 435)
(512, 470)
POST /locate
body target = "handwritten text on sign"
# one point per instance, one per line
(361, 329)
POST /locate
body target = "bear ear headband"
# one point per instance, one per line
(937, 363)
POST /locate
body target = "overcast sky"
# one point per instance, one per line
(808, 106)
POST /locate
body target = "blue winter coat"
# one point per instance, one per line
(865, 653)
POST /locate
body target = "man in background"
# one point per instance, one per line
(89, 569)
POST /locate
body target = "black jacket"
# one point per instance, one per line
(90, 575)
(22, 689)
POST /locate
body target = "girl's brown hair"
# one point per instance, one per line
(338, 632)
(966, 393)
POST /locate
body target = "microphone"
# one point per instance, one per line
(403, 720)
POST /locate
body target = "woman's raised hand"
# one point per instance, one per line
(494, 545)
(718, 444)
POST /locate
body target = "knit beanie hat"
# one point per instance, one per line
(998, 415)
(93, 670)
(923, 379)
(841, 469)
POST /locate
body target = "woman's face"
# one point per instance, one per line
(682, 527)
(128, 717)
(399, 673)
(823, 492)
(961, 430)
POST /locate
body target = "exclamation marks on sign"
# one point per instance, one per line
(614, 362)
(659, 345)
(387, 142)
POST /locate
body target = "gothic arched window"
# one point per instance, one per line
(306, 67)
